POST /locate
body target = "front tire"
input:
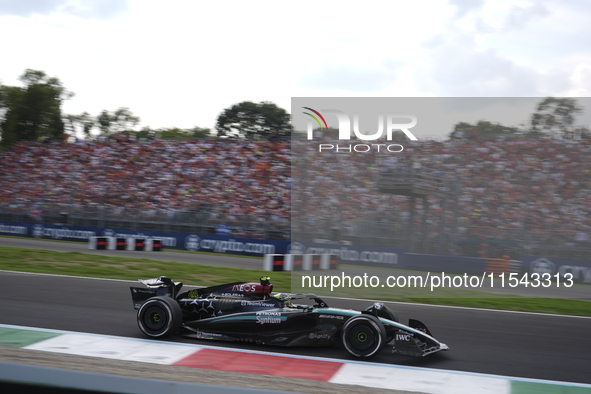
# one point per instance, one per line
(160, 317)
(364, 336)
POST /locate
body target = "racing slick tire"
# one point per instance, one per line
(364, 336)
(160, 317)
(382, 311)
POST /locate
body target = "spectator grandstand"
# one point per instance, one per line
(512, 196)
(239, 183)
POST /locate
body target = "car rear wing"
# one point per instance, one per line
(162, 286)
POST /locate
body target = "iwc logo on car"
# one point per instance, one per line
(192, 242)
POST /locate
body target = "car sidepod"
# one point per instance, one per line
(279, 327)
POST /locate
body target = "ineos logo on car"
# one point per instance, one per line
(246, 287)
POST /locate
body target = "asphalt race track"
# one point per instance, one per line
(513, 344)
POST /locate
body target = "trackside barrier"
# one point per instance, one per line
(136, 244)
(307, 262)
(299, 262)
(154, 245)
(120, 243)
(314, 261)
(329, 261)
(580, 270)
(293, 262)
(98, 243)
(274, 262)
(497, 266)
(182, 241)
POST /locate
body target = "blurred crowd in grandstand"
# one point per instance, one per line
(513, 196)
(230, 181)
(521, 191)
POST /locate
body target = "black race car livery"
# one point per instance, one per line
(251, 312)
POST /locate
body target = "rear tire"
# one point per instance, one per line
(364, 336)
(160, 317)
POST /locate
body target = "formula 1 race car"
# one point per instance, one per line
(250, 312)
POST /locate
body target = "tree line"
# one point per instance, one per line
(34, 111)
(552, 117)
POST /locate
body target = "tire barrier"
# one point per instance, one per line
(314, 263)
(300, 262)
(293, 262)
(330, 261)
(497, 266)
(134, 244)
(99, 243)
(274, 262)
(120, 243)
(297, 262)
(154, 245)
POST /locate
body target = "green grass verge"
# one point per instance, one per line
(93, 266)
(79, 264)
